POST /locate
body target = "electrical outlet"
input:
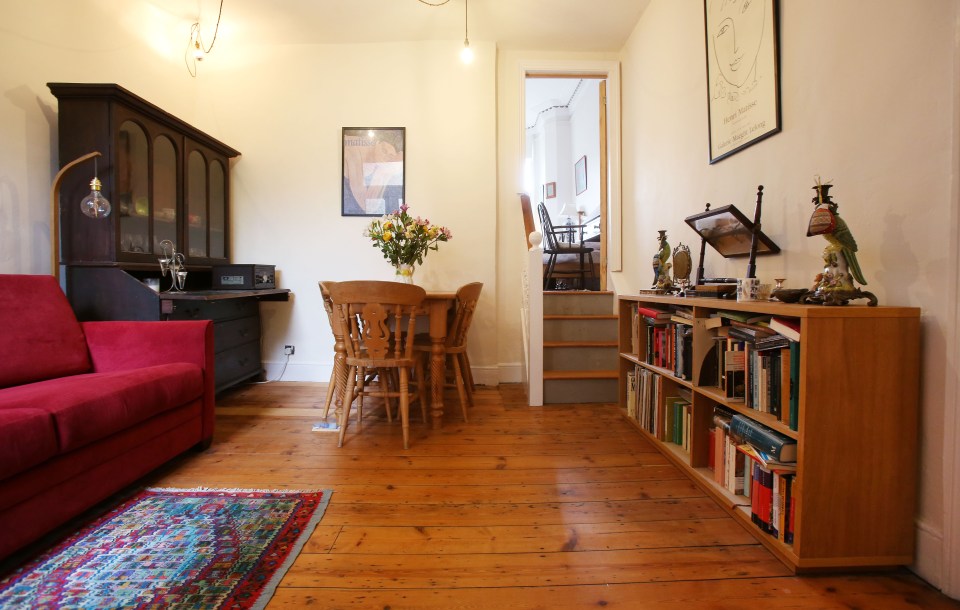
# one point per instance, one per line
(289, 350)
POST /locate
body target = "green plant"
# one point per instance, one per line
(405, 240)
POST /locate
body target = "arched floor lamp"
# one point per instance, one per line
(94, 205)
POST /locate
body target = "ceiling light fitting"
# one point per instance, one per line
(196, 50)
(466, 55)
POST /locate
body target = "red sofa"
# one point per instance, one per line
(88, 408)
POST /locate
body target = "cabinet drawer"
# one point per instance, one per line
(231, 333)
(224, 309)
(236, 364)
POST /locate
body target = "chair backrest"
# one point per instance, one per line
(549, 237)
(466, 305)
(332, 317)
(377, 318)
(527, 211)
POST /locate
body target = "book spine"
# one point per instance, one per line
(762, 438)
(794, 386)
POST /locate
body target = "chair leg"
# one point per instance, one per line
(361, 375)
(547, 276)
(421, 377)
(405, 406)
(385, 376)
(347, 401)
(468, 373)
(331, 390)
(458, 379)
(468, 376)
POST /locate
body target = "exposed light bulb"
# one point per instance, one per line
(197, 51)
(466, 55)
(95, 205)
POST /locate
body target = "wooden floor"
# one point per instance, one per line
(523, 507)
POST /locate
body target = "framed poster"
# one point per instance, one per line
(743, 73)
(580, 174)
(373, 170)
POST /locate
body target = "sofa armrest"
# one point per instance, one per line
(123, 345)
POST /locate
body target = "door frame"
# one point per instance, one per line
(609, 71)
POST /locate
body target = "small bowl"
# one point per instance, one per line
(788, 295)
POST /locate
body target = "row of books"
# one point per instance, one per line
(772, 503)
(659, 407)
(764, 377)
(667, 338)
(753, 461)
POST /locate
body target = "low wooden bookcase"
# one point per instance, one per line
(857, 429)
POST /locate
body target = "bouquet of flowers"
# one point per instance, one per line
(405, 240)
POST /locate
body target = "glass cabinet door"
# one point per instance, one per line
(197, 220)
(133, 192)
(164, 192)
(218, 210)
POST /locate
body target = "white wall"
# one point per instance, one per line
(868, 93)
(585, 142)
(283, 107)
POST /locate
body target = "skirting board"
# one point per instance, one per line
(482, 375)
(928, 562)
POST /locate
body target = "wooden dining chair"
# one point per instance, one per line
(378, 319)
(455, 347)
(554, 247)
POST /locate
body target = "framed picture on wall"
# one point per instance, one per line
(580, 174)
(373, 170)
(743, 73)
(550, 190)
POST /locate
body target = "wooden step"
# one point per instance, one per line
(580, 344)
(569, 328)
(580, 374)
(574, 302)
(580, 316)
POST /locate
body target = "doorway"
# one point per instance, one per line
(565, 157)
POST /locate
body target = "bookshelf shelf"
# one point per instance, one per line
(856, 378)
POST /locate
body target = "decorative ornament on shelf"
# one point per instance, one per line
(661, 264)
(682, 266)
(173, 262)
(405, 240)
(835, 284)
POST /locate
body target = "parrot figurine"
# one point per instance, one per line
(835, 285)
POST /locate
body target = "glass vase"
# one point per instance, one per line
(405, 273)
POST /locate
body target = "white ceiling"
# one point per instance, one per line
(561, 25)
(544, 93)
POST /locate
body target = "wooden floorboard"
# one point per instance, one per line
(556, 507)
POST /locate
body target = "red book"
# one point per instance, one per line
(653, 312)
(788, 327)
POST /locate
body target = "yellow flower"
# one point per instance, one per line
(388, 225)
(387, 236)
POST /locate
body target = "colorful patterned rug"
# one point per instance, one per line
(169, 548)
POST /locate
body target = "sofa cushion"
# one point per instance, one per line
(86, 408)
(41, 336)
(27, 438)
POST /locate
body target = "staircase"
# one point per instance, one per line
(579, 347)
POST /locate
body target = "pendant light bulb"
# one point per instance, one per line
(197, 51)
(466, 55)
(95, 205)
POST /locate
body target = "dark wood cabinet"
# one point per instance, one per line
(166, 180)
